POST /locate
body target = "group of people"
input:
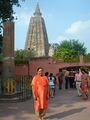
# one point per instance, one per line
(44, 86)
(66, 79)
(82, 80)
(79, 79)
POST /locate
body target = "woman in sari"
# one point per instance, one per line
(84, 85)
(89, 83)
(40, 93)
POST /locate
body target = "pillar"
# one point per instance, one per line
(8, 51)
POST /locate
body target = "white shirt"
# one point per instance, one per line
(78, 77)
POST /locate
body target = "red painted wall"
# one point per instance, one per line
(47, 63)
(21, 70)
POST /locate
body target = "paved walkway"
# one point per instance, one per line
(65, 106)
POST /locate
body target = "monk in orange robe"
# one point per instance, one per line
(40, 91)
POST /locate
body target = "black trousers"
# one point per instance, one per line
(66, 82)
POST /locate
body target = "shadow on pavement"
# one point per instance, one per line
(66, 113)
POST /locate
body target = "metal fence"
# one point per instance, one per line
(18, 89)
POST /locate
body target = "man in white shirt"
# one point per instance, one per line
(78, 81)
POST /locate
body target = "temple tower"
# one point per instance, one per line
(37, 38)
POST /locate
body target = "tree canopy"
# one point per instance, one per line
(6, 9)
(6, 12)
(23, 56)
(0, 43)
(69, 50)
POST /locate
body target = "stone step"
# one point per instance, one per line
(10, 95)
(16, 99)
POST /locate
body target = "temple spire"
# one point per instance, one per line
(37, 10)
(37, 39)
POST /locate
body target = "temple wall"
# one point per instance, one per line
(47, 63)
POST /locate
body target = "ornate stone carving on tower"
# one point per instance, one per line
(37, 38)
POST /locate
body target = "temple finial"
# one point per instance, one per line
(37, 10)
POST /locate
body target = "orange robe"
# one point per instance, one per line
(84, 87)
(40, 92)
(84, 83)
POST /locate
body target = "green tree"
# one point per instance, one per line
(1, 56)
(70, 50)
(23, 56)
(0, 43)
(6, 8)
(87, 58)
(6, 11)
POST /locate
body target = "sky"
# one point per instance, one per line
(64, 20)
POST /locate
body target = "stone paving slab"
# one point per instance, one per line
(65, 106)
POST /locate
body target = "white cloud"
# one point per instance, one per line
(78, 30)
(74, 27)
(79, 27)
